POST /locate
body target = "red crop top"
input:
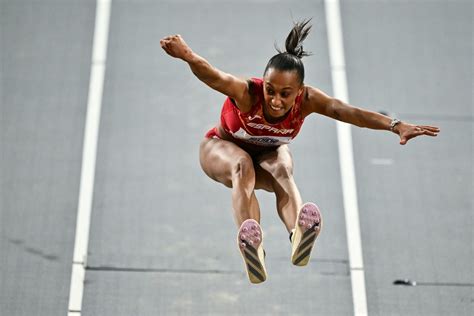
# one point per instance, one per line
(251, 127)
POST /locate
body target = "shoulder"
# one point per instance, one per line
(315, 101)
(254, 95)
(255, 86)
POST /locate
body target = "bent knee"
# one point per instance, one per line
(243, 168)
(282, 171)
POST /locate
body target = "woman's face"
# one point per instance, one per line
(280, 89)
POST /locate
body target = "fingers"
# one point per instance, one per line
(167, 40)
(418, 130)
(170, 38)
(431, 128)
(165, 47)
(171, 43)
(427, 130)
(163, 44)
(429, 133)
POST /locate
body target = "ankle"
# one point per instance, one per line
(291, 234)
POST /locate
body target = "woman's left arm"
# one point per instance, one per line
(318, 102)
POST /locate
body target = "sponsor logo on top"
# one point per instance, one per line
(270, 128)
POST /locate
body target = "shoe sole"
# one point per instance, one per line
(308, 226)
(249, 239)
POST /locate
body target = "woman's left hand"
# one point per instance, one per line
(408, 131)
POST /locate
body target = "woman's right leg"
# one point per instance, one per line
(225, 162)
(230, 165)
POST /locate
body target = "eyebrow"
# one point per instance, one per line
(285, 88)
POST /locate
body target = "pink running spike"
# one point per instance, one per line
(243, 245)
(309, 225)
(245, 229)
(314, 213)
(256, 234)
(302, 223)
(250, 242)
(254, 227)
(257, 240)
(305, 211)
(243, 236)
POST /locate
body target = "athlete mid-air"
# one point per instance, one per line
(248, 149)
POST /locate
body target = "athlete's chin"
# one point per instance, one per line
(277, 116)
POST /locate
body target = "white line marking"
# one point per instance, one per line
(346, 159)
(91, 131)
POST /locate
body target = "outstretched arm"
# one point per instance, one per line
(227, 84)
(318, 102)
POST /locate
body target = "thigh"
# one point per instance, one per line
(218, 157)
(278, 163)
(278, 166)
(263, 179)
(271, 166)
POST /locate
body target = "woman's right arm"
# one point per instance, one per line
(233, 87)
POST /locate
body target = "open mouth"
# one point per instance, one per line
(274, 108)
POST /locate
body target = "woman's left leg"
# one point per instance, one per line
(303, 221)
(278, 166)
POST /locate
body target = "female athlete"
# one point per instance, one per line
(249, 151)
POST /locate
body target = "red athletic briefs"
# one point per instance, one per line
(252, 128)
(212, 133)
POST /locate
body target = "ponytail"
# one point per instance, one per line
(290, 60)
(294, 40)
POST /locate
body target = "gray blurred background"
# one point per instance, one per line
(162, 238)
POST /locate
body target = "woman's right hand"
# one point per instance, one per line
(176, 47)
